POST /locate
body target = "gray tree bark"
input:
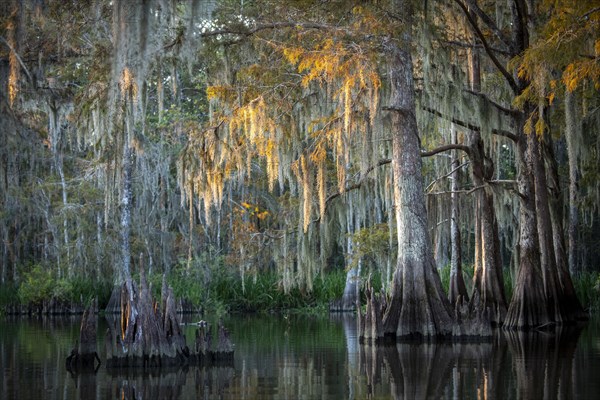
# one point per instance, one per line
(418, 305)
(457, 289)
(571, 135)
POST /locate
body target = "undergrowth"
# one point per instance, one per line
(209, 285)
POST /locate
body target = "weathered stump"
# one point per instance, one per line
(203, 338)
(143, 337)
(149, 335)
(84, 354)
(224, 347)
(371, 322)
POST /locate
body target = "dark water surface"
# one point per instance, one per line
(312, 358)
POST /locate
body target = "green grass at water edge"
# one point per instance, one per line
(264, 292)
(39, 285)
(223, 290)
(587, 287)
(8, 294)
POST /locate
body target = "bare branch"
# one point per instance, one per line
(432, 184)
(505, 110)
(474, 46)
(357, 185)
(590, 12)
(272, 25)
(446, 147)
(473, 6)
(18, 58)
(509, 78)
(470, 126)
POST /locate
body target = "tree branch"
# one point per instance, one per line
(446, 147)
(473, 6)
(357, 185)
(272, 25)
(509, 78)
(505, 110)
(474, 46)
(470, 126)
(432, 184)
(452, 119)
(506, 134)
(18, 58)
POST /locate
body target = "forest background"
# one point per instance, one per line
(243, 148)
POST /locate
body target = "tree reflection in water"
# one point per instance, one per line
(543, 362)
(313, 357)
(542, 367)
(207, 383)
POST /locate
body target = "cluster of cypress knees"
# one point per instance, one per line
(147, 334)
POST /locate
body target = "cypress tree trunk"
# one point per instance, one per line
(350, 296)
(569, 301)
(488, 282)
(418, 305)
(544, 291)
(528, 307)
(457, 289)
(571, 135)
(544, 227)
(488, 285)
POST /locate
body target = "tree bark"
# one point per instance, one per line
(569, 303)
(457, 289)
(418, 305)
(83, 357)
(571, 135)
(488, 282)
(528, 307)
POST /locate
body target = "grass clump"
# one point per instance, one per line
(39, 285)
(587, 287)
(209, 284)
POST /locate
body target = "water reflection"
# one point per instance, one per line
(309, 357)
(543, 362)
(524, 365)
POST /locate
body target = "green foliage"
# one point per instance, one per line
(8, 294)
(264, 292)
(39, 285)
(211, 286)
(587, 287)
(509, 284)
(372, 243)
(467, 271)
(445, 277)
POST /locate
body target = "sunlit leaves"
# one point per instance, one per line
(569, 44)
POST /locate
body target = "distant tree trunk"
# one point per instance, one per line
(54, 132)
(127, 164)
(488, 282)
(571, 135)
(568, 301)
(351, 287)
(488, 286)
(544, 227)
(457, 289)
(126, 218)
(441, 232)
(99, 242)
(4, 255)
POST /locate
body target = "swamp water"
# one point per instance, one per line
(301, 357)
